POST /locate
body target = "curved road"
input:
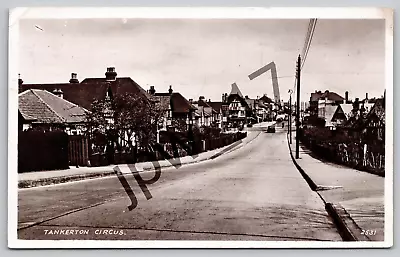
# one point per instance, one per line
(252, 193)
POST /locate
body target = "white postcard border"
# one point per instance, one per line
(190, 13)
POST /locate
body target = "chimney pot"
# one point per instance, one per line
(20, 81)
(111, 74)
(170, 89)
(152, 90)
(74, 78)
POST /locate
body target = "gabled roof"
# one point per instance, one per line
(378, 111)
(89, 89)
(315, 96)
(251, 102)
(347, 109)
(179, 104)
(208, 110)
(329, 112)
(199, 110)
(330, 96)
(233, 97)
(45, 107)
(266, 99)
(217, 106)
(235, 90)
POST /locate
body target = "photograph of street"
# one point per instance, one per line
(201, 129)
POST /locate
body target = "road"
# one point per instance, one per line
(252, 193)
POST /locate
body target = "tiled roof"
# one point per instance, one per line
(251, 103)
(315, 96)
(235, 90)
(330, 96)
(179, 104)
(162, 101)
(46, 107)
(266, 99)
(90, 89)
(217, 106)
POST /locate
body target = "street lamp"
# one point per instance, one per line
(290, 115)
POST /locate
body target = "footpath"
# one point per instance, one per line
(42, 178)
(354, 199)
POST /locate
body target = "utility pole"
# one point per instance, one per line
(298, 108)
(290, 116)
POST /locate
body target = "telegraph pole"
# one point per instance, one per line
(298, 107)
(290, 116)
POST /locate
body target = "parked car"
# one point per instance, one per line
(249, 125)
(271, 129)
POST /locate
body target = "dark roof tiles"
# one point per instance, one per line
(46, 107)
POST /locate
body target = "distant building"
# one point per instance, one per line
(325, 101)
(238, 109)
(342, 114)
(178, 111)
(218, 113)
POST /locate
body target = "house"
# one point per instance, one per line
(238, 109)
(179, 112)
(374, 125)
(90, 89)
(218, 113)
(325, 101)
(40, 109)
(205, 116)
(342, 114)
(84, 93)
(314, 102)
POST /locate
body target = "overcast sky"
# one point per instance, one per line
(204, 57)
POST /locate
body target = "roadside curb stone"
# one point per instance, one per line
(29, 183)
(346, 226)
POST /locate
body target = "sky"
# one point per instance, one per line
(201, 57)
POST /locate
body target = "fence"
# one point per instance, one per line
(39, 150)
(172, 149)
(337, 148)
(78, 150)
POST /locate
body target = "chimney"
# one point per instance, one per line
(58, 92)
(74, 78)
(20, 81)
(170, 90)
(346, 97)
(201, 98)
(247, 97)
(209, 100)
(111, 74)
(152, 91)
(223, 97)
(356, 104)
(190, 100)
(366, 96)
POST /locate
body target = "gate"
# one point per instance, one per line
(78, 150)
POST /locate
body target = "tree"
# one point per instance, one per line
(125, 121)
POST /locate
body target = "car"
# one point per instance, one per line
(249, 125)
(271, 129)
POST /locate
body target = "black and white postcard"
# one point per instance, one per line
(200, 128)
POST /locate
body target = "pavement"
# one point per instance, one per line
(42, 178)
(251, 193)
(358, 195)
